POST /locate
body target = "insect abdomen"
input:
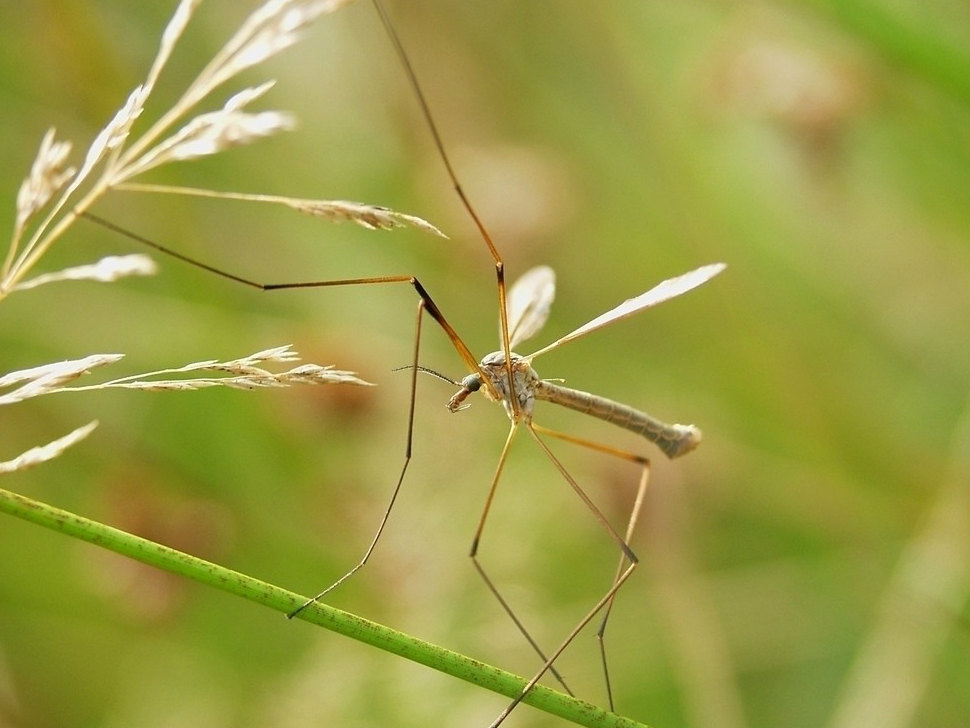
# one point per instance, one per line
(673, 440)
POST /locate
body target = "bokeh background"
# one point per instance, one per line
(808, 566)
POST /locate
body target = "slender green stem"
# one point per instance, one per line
(349, 625)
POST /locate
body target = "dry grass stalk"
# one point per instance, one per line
(372, 217)
(54, 194)
(248, 372)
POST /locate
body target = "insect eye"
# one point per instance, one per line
(473, 382)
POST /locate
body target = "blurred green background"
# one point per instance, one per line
(808, 566)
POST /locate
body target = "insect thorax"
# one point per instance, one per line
(524, 378)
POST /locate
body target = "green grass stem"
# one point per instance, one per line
(336, 620)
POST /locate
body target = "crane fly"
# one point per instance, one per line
(518, 388)
(508, 378)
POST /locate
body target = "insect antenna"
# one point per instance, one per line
(427, 370)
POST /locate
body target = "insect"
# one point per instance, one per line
(508, 378)
(518, 387)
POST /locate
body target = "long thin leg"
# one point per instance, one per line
(579, 491)
(635, 510)
(601, 630)
(481, 569)
(400, 478)
(493, 487)
(425, 303)
(463, 351)
(603, 601)
(628, 560)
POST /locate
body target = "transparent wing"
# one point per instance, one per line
(658, 294)
(529, 301)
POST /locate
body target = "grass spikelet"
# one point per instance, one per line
(372, 217)
(106, 270)
(270, 29)
(173, 31)
(43, 453)
(51, 377)
(213, 132)
(248, 372)
(48, 175)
